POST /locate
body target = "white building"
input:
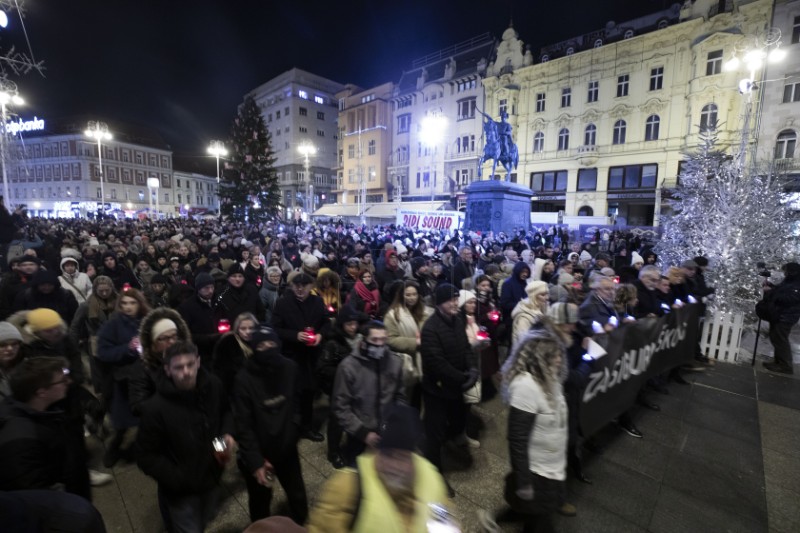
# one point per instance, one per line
(195, 186)
(300, 108)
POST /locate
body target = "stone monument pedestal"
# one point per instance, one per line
(494, 205)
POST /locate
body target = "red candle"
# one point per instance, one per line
(224, 325)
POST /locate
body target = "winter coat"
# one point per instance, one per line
(265, 408)
(292, 316)
(174, 443)
(269, 295)
(334, 352)
(446, 355)
(462, 271)
(60, 300)
(121, 362)
(227, 360)
(233, 302)
(524, 316)
(513, 290)
(33, 346)
(648, 301)
(13, 283)
(363, 389)
(78, 284)
(33, 450)
(593, 309)
(786, 297)
(202, 318)
(402, 330)
(120, 275)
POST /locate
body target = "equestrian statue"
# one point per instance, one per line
(499, 145)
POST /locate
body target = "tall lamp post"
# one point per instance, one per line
(751, 53)
(152, 185)
(217, 149)
(307, 150)
(431, 133)
(99, 131)
(8, 95)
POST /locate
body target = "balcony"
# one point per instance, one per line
(787, 164)
(587, 154)
(468, 154)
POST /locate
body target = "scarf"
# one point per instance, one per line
(371, 297)
(99, 308)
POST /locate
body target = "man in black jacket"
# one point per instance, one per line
(44, 290)
(300, 319)
(239, 297)
(15, 282)
(202, 317)
(177, 441)
(785, 298)
(267, 420)
(464, 267)
(447, 371)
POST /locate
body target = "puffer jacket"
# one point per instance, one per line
(363, 389)
(175, 434)
(78, 284)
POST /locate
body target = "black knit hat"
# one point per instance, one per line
(263, 333)
(444, 293)
(235, 268)
(203, 279)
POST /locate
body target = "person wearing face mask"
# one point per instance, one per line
(267, 420)
(367, 382)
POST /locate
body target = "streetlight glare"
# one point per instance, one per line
(432, 129)
(732, 64)
(3, 19)
(776, 55)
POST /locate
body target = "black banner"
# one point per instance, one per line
(636, 352)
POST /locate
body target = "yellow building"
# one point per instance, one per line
(602, 121)
(364, 144)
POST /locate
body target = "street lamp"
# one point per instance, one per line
(217, 149)
(99, 130)
(306, 150)
(751, 53)
(8, 95)
(431, 133)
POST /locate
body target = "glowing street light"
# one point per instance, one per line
(307, 150)
(217, 149)
(99, 131)
(8, 96)
(431, 133)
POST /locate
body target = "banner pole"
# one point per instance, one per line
(755, 347)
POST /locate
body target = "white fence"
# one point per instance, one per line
(722, 335)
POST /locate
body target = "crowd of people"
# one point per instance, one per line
(213, 343)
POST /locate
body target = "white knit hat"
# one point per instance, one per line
(636, 258)
(162, 326)
(464, 297)
(585, 256)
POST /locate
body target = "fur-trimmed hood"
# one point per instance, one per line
(149, 358)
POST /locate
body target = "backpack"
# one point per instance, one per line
(766, 309)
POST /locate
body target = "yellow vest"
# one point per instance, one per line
(378, 512)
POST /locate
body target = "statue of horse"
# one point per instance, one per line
(498, 148)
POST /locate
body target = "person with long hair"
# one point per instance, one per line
(118, 346)
(232, 350)
(365, 296)
(404, 319)
(530, 310)
(327, 285)
(533, 378)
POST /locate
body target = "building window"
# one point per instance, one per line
(320, 133)
(656, 78)
(784, 147)
(351, 175)
(466, 108)
(594, 91)
(566, 97)
(277, 115)
(99, 196)
(540, 102)
(303, 111)
(403, 123)
(708, 117)
(796, 31)
(651, 127)
(538, 142)
(319, 100)
(587, 179)
(320, 115)
(585, 211)
(714, 63)
(371, 176)
(503, 107)
(303, 129)
(563, 139)
(549, 181)
(633, 177)
(371, 147)
(620, 129)
(791, 92)
(351, 151)
(465, 144)
(590, 135)
(302, 94)
(622, 85)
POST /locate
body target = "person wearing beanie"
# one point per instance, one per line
(238, 296)
(637, 261)
(44, 290)
(530, 310)
(366, 383)
(75, 281)
(16, 282)
(301, 320)
(449, 368)
(268, 437)
(10, 355)
(120, 275)
(393, 486)
(202, 317)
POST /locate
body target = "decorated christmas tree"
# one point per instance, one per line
(735, 216)
(249, 190)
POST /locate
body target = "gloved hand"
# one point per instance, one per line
(525, 493)
(471, 378)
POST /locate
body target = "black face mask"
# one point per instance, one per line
(267, 357)
(373, 351)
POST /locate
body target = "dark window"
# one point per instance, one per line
(594, 91)
(587, 179)
(303, 111)
(563, 139)
(708, 117)
(540, 102)
(656, 78)
(651, 127)
(590, 135)
(633, 177)
(791, 92)
(714, 63)
(796, 31)
(566, 97)
(549, 181)
(620, 130)
(585, 211)
(622, 85)
(785, 145)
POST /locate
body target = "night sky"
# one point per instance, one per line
(182, 66)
